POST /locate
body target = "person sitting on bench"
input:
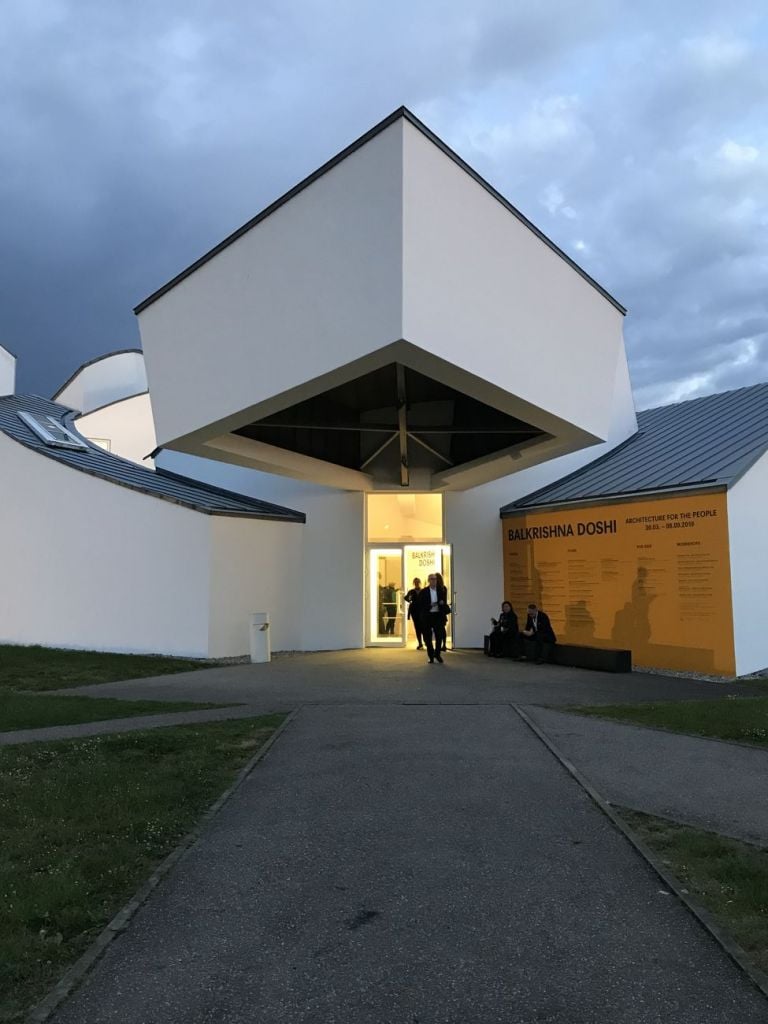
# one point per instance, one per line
(504, 641)
(539, 636)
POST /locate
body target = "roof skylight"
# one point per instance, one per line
(51, 432)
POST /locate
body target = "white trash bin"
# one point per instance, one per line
(261, 648)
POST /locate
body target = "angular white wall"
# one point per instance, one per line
(395, 253)
(748, 539)
(311, 287)
(488, 295)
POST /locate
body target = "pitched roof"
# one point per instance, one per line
(708, 441)
(161, 484)
(401, 112)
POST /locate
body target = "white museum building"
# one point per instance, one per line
(337, 398)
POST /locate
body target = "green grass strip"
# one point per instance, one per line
(84, 824)
(23, 711)
(744, 719)
(727, 877)
(48, 668)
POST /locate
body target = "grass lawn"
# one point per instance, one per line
(47, 668)
(28, 711)
(84, 824)
(730, 718)
(728, 878)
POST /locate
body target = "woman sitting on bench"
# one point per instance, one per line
(504, 641)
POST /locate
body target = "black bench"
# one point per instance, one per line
(601, 659)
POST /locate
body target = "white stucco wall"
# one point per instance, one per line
(748, 540)
(311, 287)
(332, 571)
(483, 291)
(329, 573)
(105, 380)
(255, 567)
(7, 372)
(88, 564)
(127, 425)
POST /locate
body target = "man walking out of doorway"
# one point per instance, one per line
(434, 609)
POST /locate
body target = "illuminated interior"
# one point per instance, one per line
(391, 572)
(404, 517)
(405, 534)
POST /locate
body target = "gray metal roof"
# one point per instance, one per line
(181, 490)
(705, 442)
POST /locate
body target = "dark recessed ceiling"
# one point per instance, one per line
(391, 421)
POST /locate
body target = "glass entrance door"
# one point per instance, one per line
(385, 617)
(391, 572)
(421, 560)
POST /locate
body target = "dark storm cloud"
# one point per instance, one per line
(137, 136)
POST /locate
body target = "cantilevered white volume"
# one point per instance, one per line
(390, 323)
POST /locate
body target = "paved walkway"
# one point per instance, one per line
(110, 725)
(413, 865)
(376, 676)
(706, 783)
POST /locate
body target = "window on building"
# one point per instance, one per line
(404, 517)
(52, 433)
(102, 442)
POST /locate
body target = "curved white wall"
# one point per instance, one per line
(106, 380)
(126, 425)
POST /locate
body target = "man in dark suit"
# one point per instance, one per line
(539, 636)
(434, 611)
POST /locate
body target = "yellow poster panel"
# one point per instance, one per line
(652, 576)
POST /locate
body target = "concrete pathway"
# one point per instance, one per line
(713, 785)
(381, 676)
(412, 865)
(707, 784)
(110, 725)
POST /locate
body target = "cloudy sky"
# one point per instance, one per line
(133, 137)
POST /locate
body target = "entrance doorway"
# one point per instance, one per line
(391, 570)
